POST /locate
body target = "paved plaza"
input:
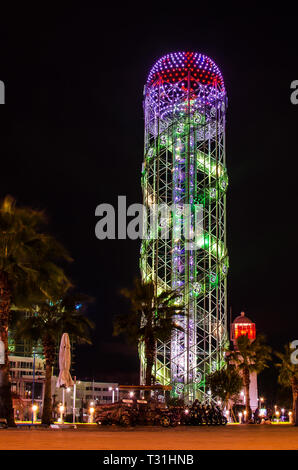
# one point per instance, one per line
(277, 437)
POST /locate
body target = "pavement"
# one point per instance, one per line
(230, 437)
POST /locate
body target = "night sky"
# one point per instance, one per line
(71, 137)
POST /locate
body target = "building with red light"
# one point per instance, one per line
(244, 326)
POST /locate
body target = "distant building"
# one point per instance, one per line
(23, 390)
(25, 348)
(88, 394)
(27, 381)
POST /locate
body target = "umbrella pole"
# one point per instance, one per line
(63, 404)
(74, 400)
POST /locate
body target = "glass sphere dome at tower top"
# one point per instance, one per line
(184, 66)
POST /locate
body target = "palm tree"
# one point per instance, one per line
(249, 357)
(225, 383)
(152, 317)
(49, 321)
(28, 273)
(288, 377)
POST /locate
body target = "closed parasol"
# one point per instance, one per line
(64, 379)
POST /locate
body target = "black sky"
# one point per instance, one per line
(71, 137)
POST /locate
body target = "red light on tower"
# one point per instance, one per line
(243, 326)
(242, 329)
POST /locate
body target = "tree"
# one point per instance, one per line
(28, 273)
(225, 383)
(249, 357)
(49, 321)
(288, 377)
(152, 317)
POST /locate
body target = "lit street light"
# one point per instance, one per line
(34, 410)
(113, 394)
(91, 412)
(61, 409)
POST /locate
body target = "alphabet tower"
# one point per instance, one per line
(185, 166)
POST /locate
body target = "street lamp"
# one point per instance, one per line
(113, 394)
(240, 417)
(91, 411)
(34, 410)
(74, 399)
(283, 414)
(243, 396)
(61, 409)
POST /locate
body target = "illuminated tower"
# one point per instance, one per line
(184, 166)
(243, 326)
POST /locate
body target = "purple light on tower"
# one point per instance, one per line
(182, 73)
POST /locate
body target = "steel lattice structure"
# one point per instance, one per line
(184, 164)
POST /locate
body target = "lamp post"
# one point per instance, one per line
(277, 414)
(33, 385)
(113, 394)
(61, 409)
(240, 417)
(91, 413)
(283, 414)
(34, 412)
